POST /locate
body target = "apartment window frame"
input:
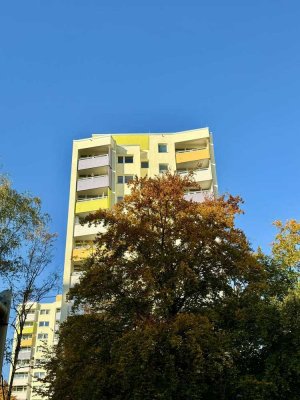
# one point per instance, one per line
(144, 164)
(44, 311)
(43, 336)
(125, 159)
(27, 336)
(124, 179)
(162, 147)
(163, 168)
(44, 324)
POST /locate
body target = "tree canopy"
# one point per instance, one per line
(176, 305)
(20, 214)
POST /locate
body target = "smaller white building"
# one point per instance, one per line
(40, 332)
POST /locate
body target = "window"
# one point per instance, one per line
(125, 159)
(23, 363)
(26, 348)
(128, 178)
(119, 198)
(19, 388)
(26, 324)
(145, 164)
(163, 168)
(25, 337)
(21, 375)
(162, 148)
(43, 336)
(31, 312)
(44, 312)
(44, 323)
(39, 374)
(128, 159)
(125, 178)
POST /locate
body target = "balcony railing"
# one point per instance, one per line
(198, 196)
(90, 205)
(194, 171)
(199, 174)
(93, 182)
(189, 150)
(82, 230)
(101, 160)
(75, 278)
(81, 253)
(200, 153)
(24, 355)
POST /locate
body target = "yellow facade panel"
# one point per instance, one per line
(81, 254)
(26, 343)
(92, 205)
(29, 329)
(137, 140)
(193, 155)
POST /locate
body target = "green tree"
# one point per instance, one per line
(19, 214)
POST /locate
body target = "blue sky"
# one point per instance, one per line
(72, 68)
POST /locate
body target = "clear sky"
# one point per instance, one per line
(72, 68)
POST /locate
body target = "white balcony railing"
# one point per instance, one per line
(100, 160)
(190, 150)
(93, 198)
(93, 182)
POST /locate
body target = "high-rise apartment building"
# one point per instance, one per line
(40, 332)
(103, 165)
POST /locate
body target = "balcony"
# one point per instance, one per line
(30, 317)
(24, 355)
(84, 230)
(26, 342)
(28, 329)
(93, 162)
(94, 182)
(20, 382)
(188, 155)
(74, 278)
(200, 174)
(92, 205)
(198, 196)
(81, 253)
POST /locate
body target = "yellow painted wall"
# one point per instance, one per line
(140, 140)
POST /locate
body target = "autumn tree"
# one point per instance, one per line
(4, 391)
(176, 304)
